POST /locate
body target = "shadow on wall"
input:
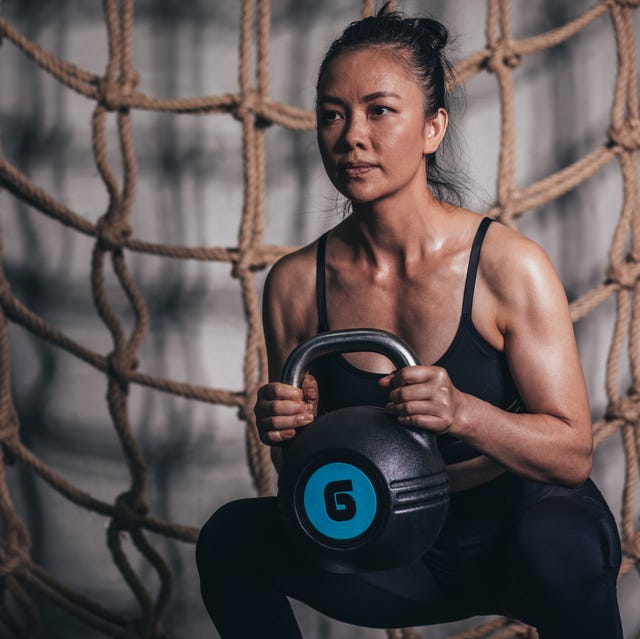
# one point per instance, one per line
(190, 192)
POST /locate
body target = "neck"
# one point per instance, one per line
(400, 229)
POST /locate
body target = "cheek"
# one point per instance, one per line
(323, 147)
(402, 142)
(326, 139)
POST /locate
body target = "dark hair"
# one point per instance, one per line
(420, 43)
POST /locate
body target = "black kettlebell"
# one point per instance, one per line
(358, 491)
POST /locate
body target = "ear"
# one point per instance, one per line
(434, 130)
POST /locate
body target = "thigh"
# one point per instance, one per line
(562, 562)
(245, 542)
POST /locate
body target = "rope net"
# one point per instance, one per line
(115, 96)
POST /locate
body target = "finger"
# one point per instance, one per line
(394, 380)
(284, 422)
(286, 407)
(310, 388)
(266, 409)
(434, 389)
(273, 438)
(415, 407)
(387, 379)
(278, 390)
(431, 414)
(416, 375)
(412, 392)
(279, 429)
(437, 425)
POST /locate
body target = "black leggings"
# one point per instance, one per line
(546, 555)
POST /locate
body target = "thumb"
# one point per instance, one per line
(387, 380)
(310, 388)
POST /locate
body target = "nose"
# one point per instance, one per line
(355, 131)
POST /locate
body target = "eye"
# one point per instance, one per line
(379, 110)
(329, 115)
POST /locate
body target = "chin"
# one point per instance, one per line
(359, 196)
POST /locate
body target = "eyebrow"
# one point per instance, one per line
(367, 98)
(380, 94)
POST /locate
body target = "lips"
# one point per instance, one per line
(356, 169)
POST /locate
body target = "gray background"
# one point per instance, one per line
(190, 192)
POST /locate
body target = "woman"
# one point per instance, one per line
(528, 534)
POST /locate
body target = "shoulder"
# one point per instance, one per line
(506, 253)
(290, 293)
(519, 273)
(292, 271)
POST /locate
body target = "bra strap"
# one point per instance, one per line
(472, 269)
(321, 293)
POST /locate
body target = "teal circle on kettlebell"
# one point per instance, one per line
(340, 501)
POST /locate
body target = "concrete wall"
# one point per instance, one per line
(190, 192)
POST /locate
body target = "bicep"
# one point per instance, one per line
(278, 341)
(540, 344)
(285, 311)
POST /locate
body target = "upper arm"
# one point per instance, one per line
(287, 308)
(539, 339)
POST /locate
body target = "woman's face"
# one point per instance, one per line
(372, 128)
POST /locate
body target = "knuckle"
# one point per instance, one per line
(272, 437)
(419, 420)
(277, 407)
(409, 407)
(278, 422)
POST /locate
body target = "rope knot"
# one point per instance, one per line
(625, 274)
(112, 233)
(128, 509)
(626, 136)
(245, 106)
(238, 269)
(251, 103)
(12, 559)
(112, 92)
(631, 548)
(243, 264)
(109, 94)
(120, 364)
(625, 408)
(503, 55)
(9, 428)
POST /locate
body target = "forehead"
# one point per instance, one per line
(368, 70)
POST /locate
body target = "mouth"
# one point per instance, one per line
(356, 169)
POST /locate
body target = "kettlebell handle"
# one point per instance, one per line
(351, 340)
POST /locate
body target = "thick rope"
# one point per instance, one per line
(115, 95)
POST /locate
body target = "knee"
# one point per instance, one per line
(209, 539)
(235, 537)
(218, 537)
(563, 548)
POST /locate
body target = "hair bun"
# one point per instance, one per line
(433, 31)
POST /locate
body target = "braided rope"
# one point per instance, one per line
(115, 95)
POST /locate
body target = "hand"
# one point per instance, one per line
(423, 396)
(281, 408)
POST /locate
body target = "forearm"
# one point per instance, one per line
(539, 446)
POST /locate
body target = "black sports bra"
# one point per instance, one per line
(474, 366)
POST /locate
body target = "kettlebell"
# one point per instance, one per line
(357, 491)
